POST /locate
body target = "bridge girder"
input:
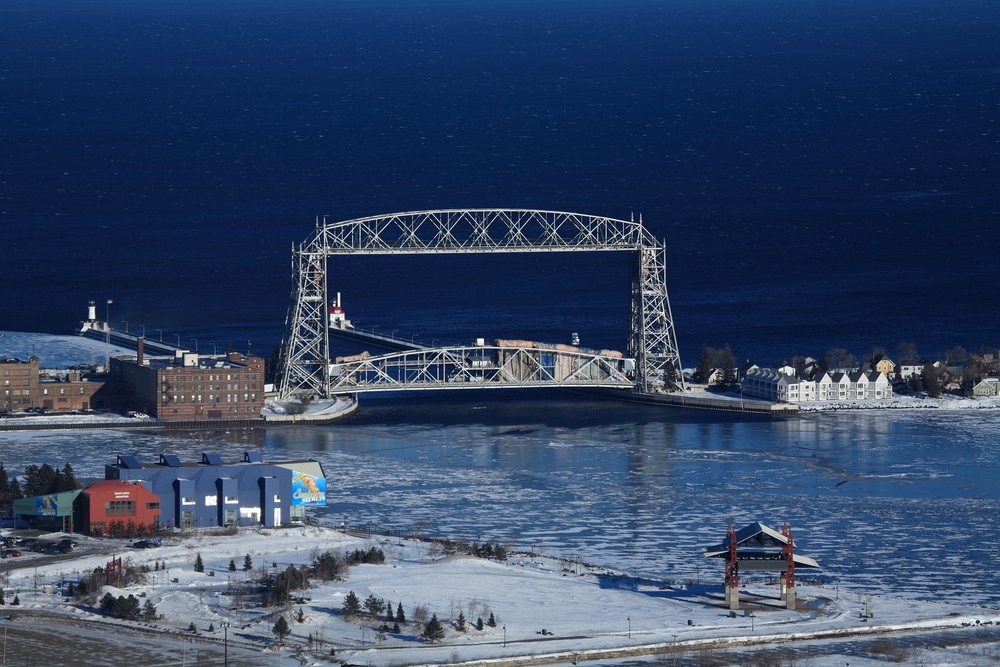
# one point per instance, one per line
(305, 367)
(480, 366)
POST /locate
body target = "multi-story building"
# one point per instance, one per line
(191, 386)
(18, 384)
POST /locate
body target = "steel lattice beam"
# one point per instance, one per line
(305, 367)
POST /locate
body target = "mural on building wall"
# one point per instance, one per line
(307, 489)
(46, 506)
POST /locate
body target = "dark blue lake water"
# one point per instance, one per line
(824, 174)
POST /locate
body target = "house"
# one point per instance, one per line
(987, 387)
(882, 364)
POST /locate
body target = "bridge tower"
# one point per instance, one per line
(305, 362)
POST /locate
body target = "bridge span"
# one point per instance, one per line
(650, 365)
(506, 364)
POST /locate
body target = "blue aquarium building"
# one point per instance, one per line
(212, 492)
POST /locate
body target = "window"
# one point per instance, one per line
(188, 501)
(153, 506)
(231, 500)
(211, 501)
(187, 519)
(119, 507)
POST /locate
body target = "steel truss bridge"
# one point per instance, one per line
(480, 367)
(652, 363)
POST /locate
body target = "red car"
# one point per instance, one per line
(13, 552)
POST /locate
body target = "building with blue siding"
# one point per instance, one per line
(212, 492)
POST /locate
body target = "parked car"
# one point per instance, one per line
(13, 553)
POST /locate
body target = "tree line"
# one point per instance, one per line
(38, 481)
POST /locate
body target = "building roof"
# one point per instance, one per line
(761, 545)
(209, 459)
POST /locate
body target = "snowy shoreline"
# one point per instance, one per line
(603, 614)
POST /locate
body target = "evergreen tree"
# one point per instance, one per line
(281, 629)
(247, 563)
(193, 628)
(479, 623)
(149, 611)
(199, 565)
(461, 622)
(388, 613)
(704, 364)
(232, 565)
(211, 627)
(67, 479)
(400, 616)
(932, 383)
(374, 605)
(727, 366)
(2, 601)
(433, 630)
(16, 601)
(352, 605)
(107, 604)
(492, 622)
(395, 629)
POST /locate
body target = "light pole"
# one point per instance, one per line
(215, 350)
(505, 636)
(629, 619)
(178, 337)
(393, 334)
(225, 631)
(674, 661)
(195, 345)
(125, 322)
(143, 327)
(161, 334)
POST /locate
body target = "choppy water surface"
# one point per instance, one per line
(900, 502)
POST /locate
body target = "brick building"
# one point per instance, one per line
(192, 386)
(19, 384)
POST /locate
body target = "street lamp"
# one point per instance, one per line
(161, 334)
(393, 334)
(195, 344)
(215, 350)
(505, 636)
(125, 322)
(178, 336)
(225, 630)
(629, 619)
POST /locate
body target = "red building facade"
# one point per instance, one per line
(116, 506)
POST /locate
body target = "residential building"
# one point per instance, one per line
(782, 387)
(987, 387)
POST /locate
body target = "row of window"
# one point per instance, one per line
(212, 398)
(213, 501)
(212, 378)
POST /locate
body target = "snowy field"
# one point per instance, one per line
(546, 610)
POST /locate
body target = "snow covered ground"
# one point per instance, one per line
(546, 609)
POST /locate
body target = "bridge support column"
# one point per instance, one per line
(733, 597)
